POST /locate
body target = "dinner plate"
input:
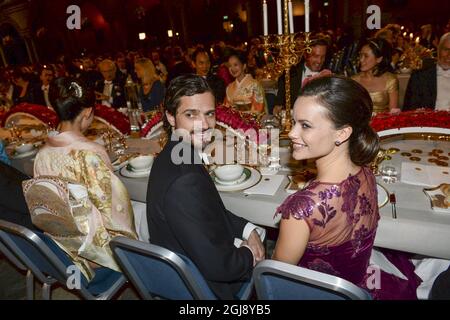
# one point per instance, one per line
(132, 174)
(383, 196)
(439, 197)
(24, 155)
(252, 177)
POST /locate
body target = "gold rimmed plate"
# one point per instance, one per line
(252, 177)
(439, 197)
(383, 196)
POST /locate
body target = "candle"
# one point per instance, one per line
(405, 34)
(266, 21)
(306, 15)
(417, 40)
(411, 36)
(279, 19)
(291, 17)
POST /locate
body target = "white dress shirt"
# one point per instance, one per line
(443, 89)
(45, 90)
(107, 91)
(308, 73)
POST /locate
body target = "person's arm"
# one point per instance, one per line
(199, 230)
(292, 240)
(393, 88)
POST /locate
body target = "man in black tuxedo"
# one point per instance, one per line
(184, 210)
(202, 65)
(13, 207)
(311, 66)
(110, 90)
(44, 90)
(430, 87)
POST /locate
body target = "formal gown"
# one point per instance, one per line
(380, 99)
(343, 220)
(246, 92)
(71, 156)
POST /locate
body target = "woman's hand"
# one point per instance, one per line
(395, 111)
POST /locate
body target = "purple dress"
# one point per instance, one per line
(342, 220)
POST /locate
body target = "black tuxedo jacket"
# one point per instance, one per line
(38, 94)
(218, 87)
(186, 215)
(13, 207)
(422, 89)
(296, 85)
(117, 93)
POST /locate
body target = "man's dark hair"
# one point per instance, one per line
(182, 86)
(198, 51)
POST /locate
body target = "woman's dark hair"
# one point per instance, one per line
(348, 104)
(70, 98)
(241, 56)
(380, 48)
(182, 86)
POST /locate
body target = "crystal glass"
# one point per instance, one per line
(389, 174)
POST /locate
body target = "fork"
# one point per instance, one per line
(393, 201)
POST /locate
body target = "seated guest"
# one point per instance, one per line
(245, 93)
(383, 87)
(184, 210)
(110, 90)
(13, 207)
(202, 65)
(44, 87)
(430, 87)
(330, 225)
(161, 69)
(312, 66)
(151, 91)
(69, 155)
(23, 91)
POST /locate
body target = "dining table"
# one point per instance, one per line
(416, 227)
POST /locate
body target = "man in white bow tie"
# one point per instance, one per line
(109, 91)
(44, 88)
(430, 88)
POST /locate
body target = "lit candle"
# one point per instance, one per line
(279, 19)
(266, 21)
(306, 15)
(417, 40)
(291, 17)
(405, 34)
(411, 36)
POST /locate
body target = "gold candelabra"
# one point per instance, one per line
(286, 50)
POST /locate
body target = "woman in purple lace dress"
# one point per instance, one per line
(330, 225)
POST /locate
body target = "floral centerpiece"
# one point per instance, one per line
(113, 117)
(152, 125)
(416, 118)
(42, 113)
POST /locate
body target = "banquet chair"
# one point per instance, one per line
(275, 280)
(158, 273)
(51, 265)
(19, 265)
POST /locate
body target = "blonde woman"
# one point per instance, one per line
(151, 92)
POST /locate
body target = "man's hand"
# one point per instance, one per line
(254, 242)
(395, 111)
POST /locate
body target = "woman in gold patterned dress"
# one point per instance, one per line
(245, 93)
(69, 155)
(375, 58)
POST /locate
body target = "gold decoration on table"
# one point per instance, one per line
(413, 56)
(285, 51)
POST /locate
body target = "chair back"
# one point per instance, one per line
(157, 272)
(49, 263)
(275, 280)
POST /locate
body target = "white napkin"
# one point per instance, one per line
(268, 185)
(378, 259)
(428, 269)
